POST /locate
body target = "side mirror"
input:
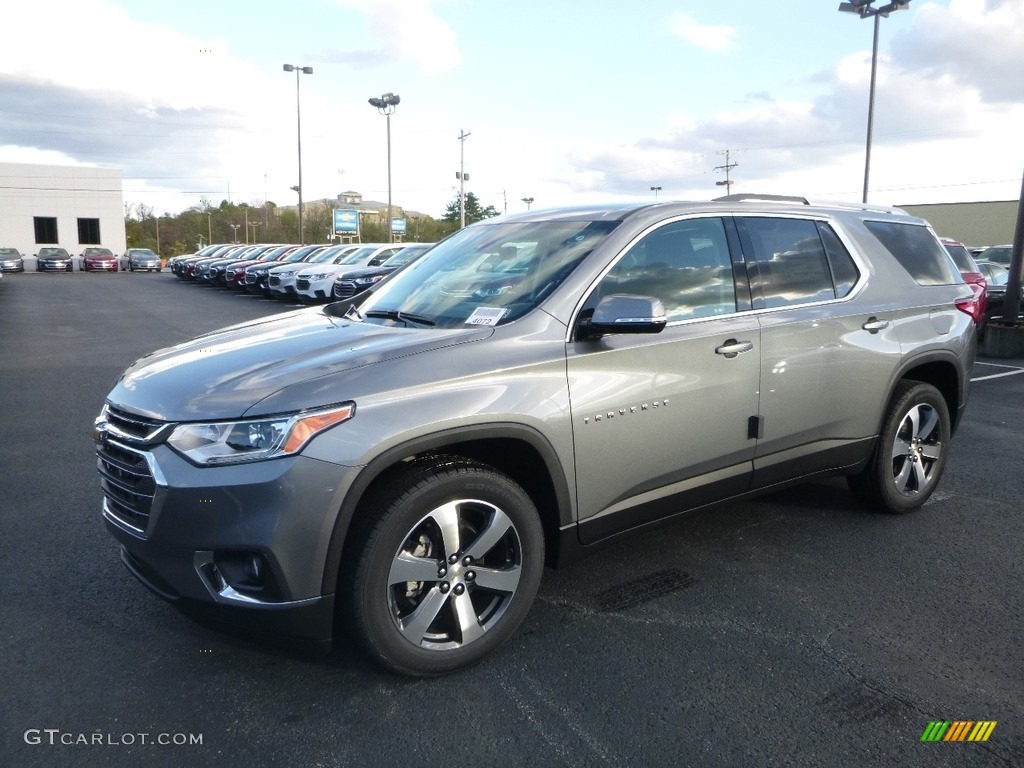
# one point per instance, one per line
(623, 313)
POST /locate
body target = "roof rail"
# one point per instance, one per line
(746, 197)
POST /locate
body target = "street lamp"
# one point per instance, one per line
(863, 9)
(463, 177)
(386, 106)
(528, 201)
(234, 229)
(298, 115)
(655, 190)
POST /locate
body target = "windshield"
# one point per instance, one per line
(487, 274)
(54, 252)
(143, 252)
(9, 252)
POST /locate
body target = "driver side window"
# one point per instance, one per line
(685, 264)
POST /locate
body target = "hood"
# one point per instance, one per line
(225, 374)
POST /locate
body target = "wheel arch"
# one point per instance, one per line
(942, 371)
(516, 450)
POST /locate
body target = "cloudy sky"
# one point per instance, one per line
(564, 101)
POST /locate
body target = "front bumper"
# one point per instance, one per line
(244, 544)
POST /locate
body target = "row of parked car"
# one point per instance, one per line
(306, 273)
(92, 259)
(987, 270)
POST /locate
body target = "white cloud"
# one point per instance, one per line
(711, 37)
(406, 30)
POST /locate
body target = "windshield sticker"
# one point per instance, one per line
(486, 316)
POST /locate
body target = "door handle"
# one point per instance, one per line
(874, 325)
(731, 348)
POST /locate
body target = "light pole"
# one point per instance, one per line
(463, 177)
(386, 106)
(655, 190)
(863, 9)
(298, 116)
(234, 230)
(528, 201)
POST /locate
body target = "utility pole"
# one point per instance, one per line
(462, 176)
(727, 167)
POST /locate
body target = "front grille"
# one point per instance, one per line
(127, 482)
(302, 284)
(250, 278)
(273, 280)
(344, 289)
(131, 425)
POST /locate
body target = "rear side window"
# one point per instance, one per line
(917, 250)
(792, 265)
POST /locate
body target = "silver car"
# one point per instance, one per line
(402, 464)
(11, 260)
(141, 260)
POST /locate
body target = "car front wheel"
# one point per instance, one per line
(444, 567)
(911, 453)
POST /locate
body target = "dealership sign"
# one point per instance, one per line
(346, 220)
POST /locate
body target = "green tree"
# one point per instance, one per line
(474, 213)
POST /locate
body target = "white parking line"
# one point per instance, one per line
(1014, 371)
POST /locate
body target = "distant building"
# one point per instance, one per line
(64, 205)
(371, 208)
(973, 224)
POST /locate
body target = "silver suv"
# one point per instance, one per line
(401, 465)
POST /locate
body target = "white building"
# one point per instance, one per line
(70, 206)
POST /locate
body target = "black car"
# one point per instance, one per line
(54, 260)
(351, 283)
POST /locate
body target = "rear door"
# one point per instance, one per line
(827, 351)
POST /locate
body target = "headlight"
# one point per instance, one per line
(234, 442)
(287, 273)
(318, 276)
(368, 280)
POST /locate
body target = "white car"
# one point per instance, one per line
(281, 279)
(316, 283)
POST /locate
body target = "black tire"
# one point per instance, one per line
(912, 451)
(442, 524)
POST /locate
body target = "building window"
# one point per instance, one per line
(89, 231)
(46, 229)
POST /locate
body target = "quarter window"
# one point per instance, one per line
(685, 264)
(917, 250)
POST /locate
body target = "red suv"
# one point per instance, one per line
(972, 276)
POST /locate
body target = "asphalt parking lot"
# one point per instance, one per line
(795, 630)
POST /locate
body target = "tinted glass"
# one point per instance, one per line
(792, 267)
(686, 264)
(999, 254)
(961, 257)
(844, 271)
(917, 251)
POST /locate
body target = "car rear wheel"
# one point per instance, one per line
(911, 453)
(444, 566)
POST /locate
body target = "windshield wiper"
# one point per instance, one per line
(405, 317)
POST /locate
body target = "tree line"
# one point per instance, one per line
(182, 233)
